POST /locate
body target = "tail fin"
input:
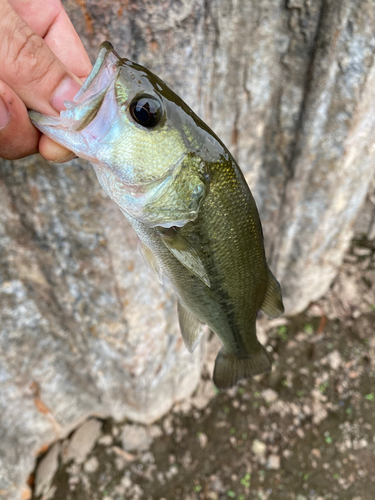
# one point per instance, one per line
(229, 369)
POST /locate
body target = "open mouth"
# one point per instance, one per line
(85, 106)
(103, 72)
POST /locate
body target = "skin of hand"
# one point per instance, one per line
(42, 64)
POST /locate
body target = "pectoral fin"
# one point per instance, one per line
(150, 260)
(273, 302)
(191, 328)
(185, 253)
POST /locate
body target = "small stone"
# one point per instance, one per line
(46, 470)
(106, 440)
(202, 439)
(129, 457)
(135, 437)
(316, 452)
(167, 425)
(91, 465)
(361, 251)
(148, 458)
(213, 495)
(126, 482)
(83, 441)
(300, 433)
(258, 448)
(306, 409)
(269, 395)
(334, 360)
(155, 431)
(120, 463)
(273, 462)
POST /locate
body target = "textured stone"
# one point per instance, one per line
(258, 448)
(269, 395)
(85, 329)
(135, 437)
(82, 441)
(273, 462)
(46, 470)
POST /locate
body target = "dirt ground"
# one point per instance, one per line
(306, 431)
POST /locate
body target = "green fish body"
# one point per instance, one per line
(186, 199)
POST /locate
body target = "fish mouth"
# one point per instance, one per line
(86, 104)
(102, 73)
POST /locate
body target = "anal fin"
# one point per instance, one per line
(229, 369)
(273, 303)
(190, 326)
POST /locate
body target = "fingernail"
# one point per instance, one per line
(4, 114)
(66, 158)
(66, 91)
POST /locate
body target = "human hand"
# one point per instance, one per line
(42, 61)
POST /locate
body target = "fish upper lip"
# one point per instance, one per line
(92, 93)
(106, 49)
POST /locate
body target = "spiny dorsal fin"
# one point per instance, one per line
(273, 302)
(191, 328)
(185, 253)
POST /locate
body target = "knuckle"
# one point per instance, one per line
(29, 57)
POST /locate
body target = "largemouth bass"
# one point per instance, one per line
(186, 199)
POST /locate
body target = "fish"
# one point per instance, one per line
(185, 197)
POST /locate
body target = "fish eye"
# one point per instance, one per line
(146, 110)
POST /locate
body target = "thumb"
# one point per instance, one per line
(30, 68)
(31, 77)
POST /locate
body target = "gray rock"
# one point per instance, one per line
(269, 395)
(46, 470)
(82, 441)
(259, 448)
(136, 437)
(91, 465)
(273, 462)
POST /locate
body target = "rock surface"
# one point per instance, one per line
(85, 329)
